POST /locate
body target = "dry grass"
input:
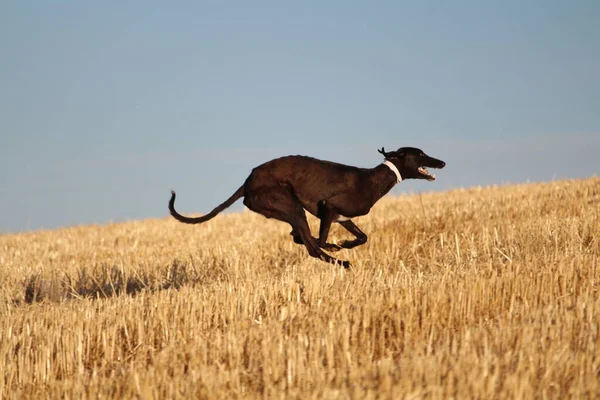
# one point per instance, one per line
(480, 293)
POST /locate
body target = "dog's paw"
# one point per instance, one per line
(331, 247)
(342, 244)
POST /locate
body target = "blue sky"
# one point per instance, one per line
(106, 106)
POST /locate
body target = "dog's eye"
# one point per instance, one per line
(422, 155)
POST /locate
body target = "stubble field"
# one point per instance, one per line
(478, 293)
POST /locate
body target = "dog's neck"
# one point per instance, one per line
(391, 166)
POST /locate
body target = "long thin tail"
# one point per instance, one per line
(198, 220)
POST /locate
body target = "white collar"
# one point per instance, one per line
(391, 166)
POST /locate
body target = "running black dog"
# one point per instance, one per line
(285, 188)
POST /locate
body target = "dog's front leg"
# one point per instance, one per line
(361, 237)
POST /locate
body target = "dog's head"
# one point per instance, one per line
(413, 163)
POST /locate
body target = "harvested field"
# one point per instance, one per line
(475, 293)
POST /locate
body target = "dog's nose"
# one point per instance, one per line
(443, 164)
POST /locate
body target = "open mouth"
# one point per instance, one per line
(425, 171)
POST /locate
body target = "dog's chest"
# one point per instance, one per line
(338, 218)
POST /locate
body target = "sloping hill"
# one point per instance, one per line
(484, 292)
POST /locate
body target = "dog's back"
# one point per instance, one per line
(301, 170)
(310, 178)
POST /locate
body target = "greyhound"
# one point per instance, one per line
(285, 188)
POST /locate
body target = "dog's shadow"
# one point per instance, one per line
(110, 281)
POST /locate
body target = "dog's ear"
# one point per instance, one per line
(392, 154)
(384, 153)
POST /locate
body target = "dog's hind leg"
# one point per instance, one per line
(296, 237)
(326, 215)
(361, 237)
(280, 203)
(300, 225)
(327, 246)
